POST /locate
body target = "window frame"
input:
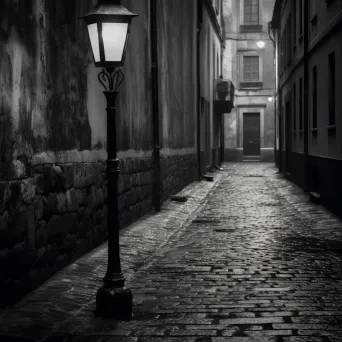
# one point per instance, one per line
(301, 104)
(251, 57)
(294, 110)
(250, 22)
(251, 53)
(314, 94)
(332, 88)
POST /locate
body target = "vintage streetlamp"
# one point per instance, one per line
(109, 25)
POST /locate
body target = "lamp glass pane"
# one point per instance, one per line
(114, 38)
(94, 40)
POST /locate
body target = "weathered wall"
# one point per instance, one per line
(210, 69)
(53, 131)
(135, 102)
(177, 53)
(40, 60)
(177, 22)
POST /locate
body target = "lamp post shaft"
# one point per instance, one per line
(112, 298)
(114, 274)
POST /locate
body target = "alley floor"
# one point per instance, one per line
(247, 258)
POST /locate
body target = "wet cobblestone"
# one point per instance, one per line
(247, 258)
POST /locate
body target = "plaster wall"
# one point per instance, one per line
(327, 141)
(44, 66)
(320, 16)
(298, 135)
(177, 53)
(238, 45)
(211, 69)
(51, 102)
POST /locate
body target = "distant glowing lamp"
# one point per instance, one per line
(260, 44)
(270, 99)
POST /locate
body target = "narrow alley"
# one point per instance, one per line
(247, 258)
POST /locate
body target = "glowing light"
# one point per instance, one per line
(260, 44)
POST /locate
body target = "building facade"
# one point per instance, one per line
(309, 109)
(210, 68)
(53, 190)
(249, 62)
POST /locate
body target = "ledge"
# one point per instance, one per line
(331, 128)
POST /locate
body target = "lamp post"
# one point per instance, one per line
(109, 25)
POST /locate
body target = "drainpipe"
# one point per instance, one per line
(156, 192)
(270, 29)
(306, 94)
(198, 57)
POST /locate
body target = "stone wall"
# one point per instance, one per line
(58, 214)
(177, 172)
(135, 189)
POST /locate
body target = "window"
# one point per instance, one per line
(251, 68)
(251, 72)
(331, 89)
(300, 104)
(294, 108)
(251, 12)
(314, 97)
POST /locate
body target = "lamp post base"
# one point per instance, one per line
(114, 302)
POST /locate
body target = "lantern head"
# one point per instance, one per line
(109, 26)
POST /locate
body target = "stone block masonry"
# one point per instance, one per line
(177, 171)
(58, 214)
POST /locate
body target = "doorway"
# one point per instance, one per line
(251, 134)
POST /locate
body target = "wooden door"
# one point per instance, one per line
(251, 134)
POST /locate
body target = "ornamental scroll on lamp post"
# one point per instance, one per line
(109, 25)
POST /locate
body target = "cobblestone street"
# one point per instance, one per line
(247, 258)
